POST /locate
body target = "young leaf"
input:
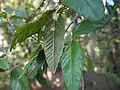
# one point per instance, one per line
(4, 65)
(72, 65)
(54, 42)
(27, 30)
(90, 9)
(18, 84)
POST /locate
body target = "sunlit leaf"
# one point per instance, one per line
(54, 42)
(90, 65)
(27, 30)
(29, 5)
(3, 14)
(18, 22)
(90, 9)
(18, 84)
(72, 65)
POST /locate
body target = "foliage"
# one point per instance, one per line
(72, 65)
(16, 83)
(47, 26)
(4, 65)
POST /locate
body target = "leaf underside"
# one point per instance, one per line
(54, 42)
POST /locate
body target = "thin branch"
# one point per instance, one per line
(76, 16)
(11, 69)
(36, 39)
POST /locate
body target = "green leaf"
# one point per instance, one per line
(3, 22)
(90, 65)
(18, 22)
(29, 5)
(35, 52)
(90, 9)
(54, 42)
(72, 65)
(8, 10)
(33, 73)
(21, 12)
(27, 30)
(4, 65)
(3, 14)
(25, 69)
(88, 26)
(18, 84)
(41, 59)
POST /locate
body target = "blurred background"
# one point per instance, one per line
(102, 64)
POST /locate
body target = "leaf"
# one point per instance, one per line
(33, 73)
(72, 65)
(35, 52)
(88, 26)
(90, 9)
(3, 14)
(27, 30)
(54, 42)
(18, 84)
(4, 65)
(3, 22)
(21, 12)
(25, 69)
(90, 65)
(41, 79)
(8, 10)
(18, 22)
(41, 59)
(29, 5)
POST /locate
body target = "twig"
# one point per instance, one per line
(76, 16)
(11, 69)
(36, 39)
